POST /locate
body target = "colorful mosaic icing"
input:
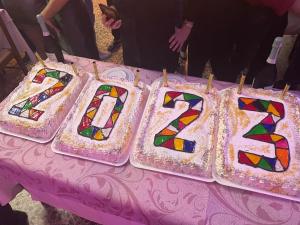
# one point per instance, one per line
(25, 109)
(167, 137)
(86, 128)
(264, 131)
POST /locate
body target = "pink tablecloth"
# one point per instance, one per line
(126, 195)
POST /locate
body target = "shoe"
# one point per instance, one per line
(114, 46)
(104, 55)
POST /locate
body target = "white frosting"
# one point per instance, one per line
(50, 106)
(122, 132)
(201, 130)
(240, 124)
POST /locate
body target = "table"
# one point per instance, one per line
(19, 41)
(127, 195)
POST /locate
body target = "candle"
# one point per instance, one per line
(165, 78)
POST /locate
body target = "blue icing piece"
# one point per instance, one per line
(42, 97)
(188, 146)
(241, 104)
(15, 111)
(271, 161)
(270, 127)
(193, 102)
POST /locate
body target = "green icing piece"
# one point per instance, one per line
(119, 108)
(53, 74)
(175, 123)
(264, 165)
(105, 88)
(87, 132)
(259, 129)
(159, 140)
(188, 97)
(27, 106)
(265, 103)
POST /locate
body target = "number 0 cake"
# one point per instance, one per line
(37, 107)
(259, 141)
(103, 122)
(177, 131)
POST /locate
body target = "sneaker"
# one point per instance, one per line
(114, 46)
(104, 55)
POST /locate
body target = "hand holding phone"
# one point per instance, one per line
(109, 12)
(110, 17)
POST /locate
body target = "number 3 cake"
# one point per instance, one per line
(37, 107)
(259, 141)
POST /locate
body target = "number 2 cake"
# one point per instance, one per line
(177, 131)
(37, 107)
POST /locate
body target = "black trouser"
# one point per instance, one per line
(292, 74)
(6, 215)
(78, 29)
(213, 36)
(274, 28)
(230, 38)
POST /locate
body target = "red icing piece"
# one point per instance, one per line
(85, 123)
(109, 123)
(243, 159)
(190, 112)
(279, 107)
(56, 90)
(39, 78)
(34, 99)
(268, 120)
(169, 144)
(100, 92)
(249, 107)
(35, 114)
(96, 102)
(282, 144)
(261, 137)
(181, 125)
(174, 94)
(120, 91)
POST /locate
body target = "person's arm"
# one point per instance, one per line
(296, 7)
(181, 34)
(52, 8)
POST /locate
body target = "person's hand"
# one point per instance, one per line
(111, 23)
(181, 34)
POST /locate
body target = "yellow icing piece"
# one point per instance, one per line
(58, 84)
(113, 92)
(91, 114)
(276, 137)
(178, 144)
(254, 158)
(99, 135)
(188, 119)
(271, 109)
(43, 71)
(167, 99)
(114, 117)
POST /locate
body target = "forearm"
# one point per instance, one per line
(296, 7)
(53, 7)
